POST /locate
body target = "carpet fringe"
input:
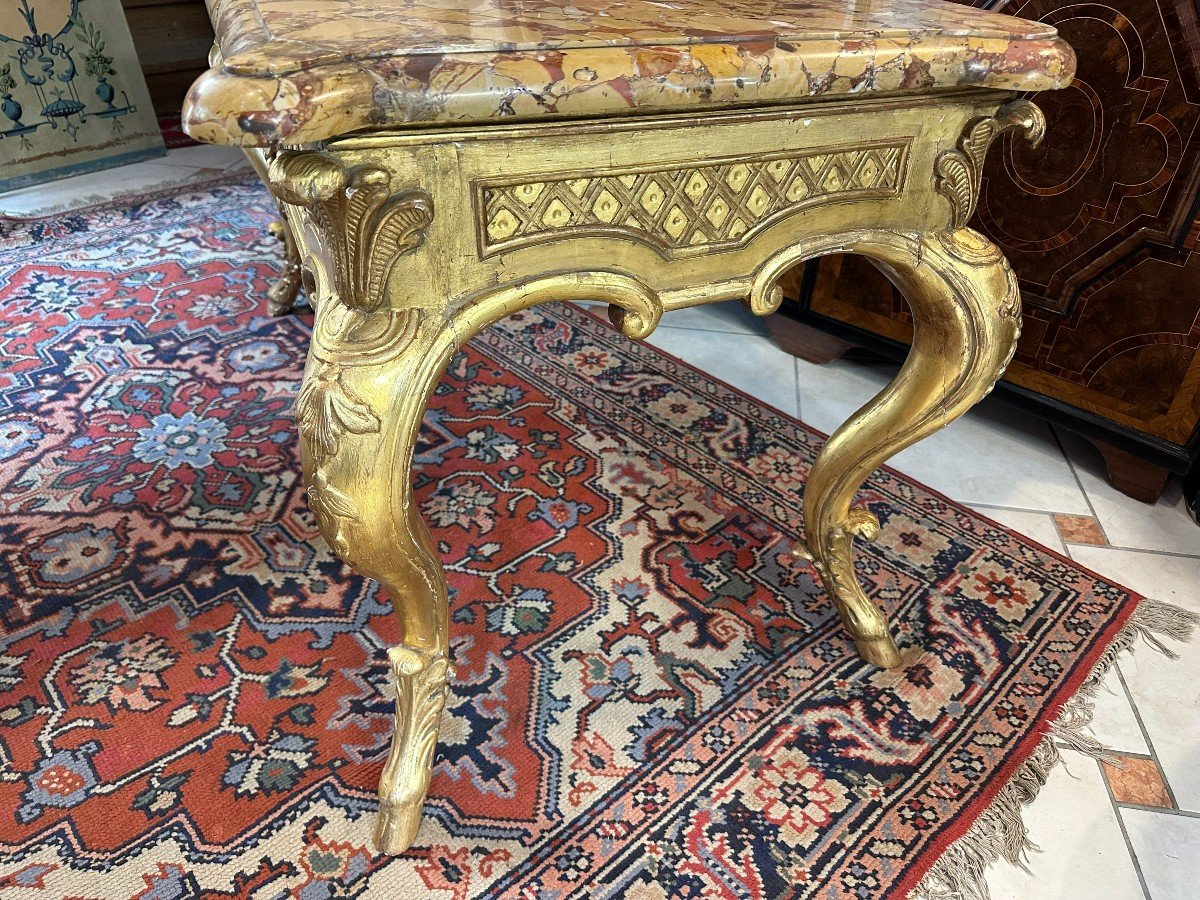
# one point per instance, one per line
(1000, 832)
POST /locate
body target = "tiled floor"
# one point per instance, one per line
(1120, 832)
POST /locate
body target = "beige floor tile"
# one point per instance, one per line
(1168, 852)
(1083, 851)
(1036, 525)
(204, 156)
(82, 191)
(749, 362)
(729, 316)
(995, 455)
(1159, 575)
(1164, 525)
(1166, 694)
(1115, 723)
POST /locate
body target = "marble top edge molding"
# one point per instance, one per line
(298, 71)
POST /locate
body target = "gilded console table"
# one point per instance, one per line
(443, 163)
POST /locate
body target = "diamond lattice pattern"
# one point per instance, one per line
(698, 206)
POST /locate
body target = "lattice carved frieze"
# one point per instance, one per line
(685, 209)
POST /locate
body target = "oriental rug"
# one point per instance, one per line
(652, 698)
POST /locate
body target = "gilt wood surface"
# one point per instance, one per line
(415, 239)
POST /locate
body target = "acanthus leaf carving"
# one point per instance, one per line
(837, 563)
(366, 224)
(958, 172)
(330, 507)
(422, 686)
(326, 409)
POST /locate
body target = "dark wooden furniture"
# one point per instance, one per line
(172, 38)
(1099, 223)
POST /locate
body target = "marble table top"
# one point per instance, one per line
(295, 71)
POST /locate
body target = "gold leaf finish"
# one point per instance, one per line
(688, 209)
(959, 171)
(282, 294)
(966, 312)
(421, 689)
(374, 226)
(326, 409)
(652, 156)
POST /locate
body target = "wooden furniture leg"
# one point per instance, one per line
(967, 313)
(1132, 475)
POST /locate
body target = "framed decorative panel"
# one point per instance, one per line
(72, 95)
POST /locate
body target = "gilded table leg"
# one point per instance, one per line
(966, 311)
(359, 412)
(281, 296)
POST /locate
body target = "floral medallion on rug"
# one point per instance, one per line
(651, 697)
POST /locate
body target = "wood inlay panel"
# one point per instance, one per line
(1097, 222)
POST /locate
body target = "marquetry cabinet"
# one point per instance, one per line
(1099, 223)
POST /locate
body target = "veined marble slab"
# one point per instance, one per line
(294, 71)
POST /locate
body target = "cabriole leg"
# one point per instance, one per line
(359, 411)
(967, 313)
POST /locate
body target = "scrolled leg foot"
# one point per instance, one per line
(832, 554)
(281, 297)
(421, 689)
(966, 309)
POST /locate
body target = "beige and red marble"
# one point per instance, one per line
(296, 71)
(1137, 780)
(1080, 529)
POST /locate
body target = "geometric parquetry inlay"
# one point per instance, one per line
(691, 208)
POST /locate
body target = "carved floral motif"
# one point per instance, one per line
(326, 409)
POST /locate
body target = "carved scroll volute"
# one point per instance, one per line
(367, 226)
(959, 172)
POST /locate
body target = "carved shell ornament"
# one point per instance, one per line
(367, 225)
(958, 172)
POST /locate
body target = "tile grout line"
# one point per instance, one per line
(1173, 553)
(1137, 715)
(1137, 867)
(1075, 475)
(663, 325)
(1159, 810)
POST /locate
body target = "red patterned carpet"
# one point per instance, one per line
(651, 698)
